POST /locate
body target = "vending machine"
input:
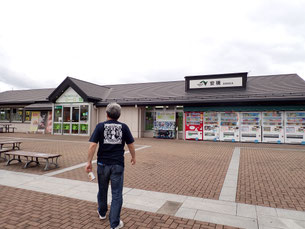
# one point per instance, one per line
(250, 127)
(295, 127)
(229, 126)
(193, 125)
(211, 126)
(273, 130)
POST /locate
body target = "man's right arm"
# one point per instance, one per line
(132, 151)
(91, 151)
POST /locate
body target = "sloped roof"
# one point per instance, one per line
(92, 90)
(88, 91)
(25, 96)
(269, 87)
(284, 87)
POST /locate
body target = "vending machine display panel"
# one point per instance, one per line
(273, 130)
(193, 125)
(295, 127)
(211, 126)
(229, 126)
(250, 127)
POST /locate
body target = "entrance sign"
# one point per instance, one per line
(210, 82)
(70, 96)
(216, 83)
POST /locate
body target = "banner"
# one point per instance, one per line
(34, 120)
(42, 121)
(49, 123)
(166, 116)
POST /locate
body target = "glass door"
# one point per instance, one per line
(75, 120)
(66, 126)
(57, 126)
(71, 119)
(84, 119)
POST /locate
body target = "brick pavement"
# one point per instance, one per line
(178, 167)
(192, 168)
(273, 178)
(72, 153)
(28, 209)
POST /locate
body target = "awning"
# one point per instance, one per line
(247, 108)
(39, 107)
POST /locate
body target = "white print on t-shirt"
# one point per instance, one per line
(113, 133)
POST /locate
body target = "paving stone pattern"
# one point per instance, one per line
(179, 167)
(29, 209)
(72, 154)
(273, 178)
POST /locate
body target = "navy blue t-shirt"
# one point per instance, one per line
(111, 136)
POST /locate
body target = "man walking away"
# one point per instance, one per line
(111, 136)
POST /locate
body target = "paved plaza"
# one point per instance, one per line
(175, 184)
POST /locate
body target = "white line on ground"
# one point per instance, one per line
(83, 164)
(228, 191)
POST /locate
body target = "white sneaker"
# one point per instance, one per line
(101, 217)
(121, 224)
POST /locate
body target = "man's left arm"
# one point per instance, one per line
(91, 151)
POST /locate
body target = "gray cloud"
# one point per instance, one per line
(17, 80)
(254, 57)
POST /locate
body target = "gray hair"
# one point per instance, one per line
(113, 111)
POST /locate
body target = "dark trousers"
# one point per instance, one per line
(114, 174)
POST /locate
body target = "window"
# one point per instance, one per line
(84, 113)
(75, 114)
(5, 114)
(149, 120)
(66, 114)
(28, 116)
(179, 120)
(17, 114)
(58, 114)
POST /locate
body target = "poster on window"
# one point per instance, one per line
(42, 122)
(165, 116)
(49, 123)
(34, 120)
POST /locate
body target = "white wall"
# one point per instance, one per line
(21, 127)
(129, 115)
(93, 118)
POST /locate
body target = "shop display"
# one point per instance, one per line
(210, 126)
(229, 126)
(165, 125)
(295, 127)
(250, 127)
(193, 125)
(272, 124)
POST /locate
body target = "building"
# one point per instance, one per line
(225, 107)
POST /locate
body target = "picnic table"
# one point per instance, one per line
(34, 156)
(7, 128)
(15, 145)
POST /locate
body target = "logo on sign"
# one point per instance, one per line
(203, 82)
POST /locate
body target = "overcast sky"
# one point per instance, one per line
(114, 42)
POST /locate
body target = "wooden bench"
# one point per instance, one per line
(34, 158)
(3, 150)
